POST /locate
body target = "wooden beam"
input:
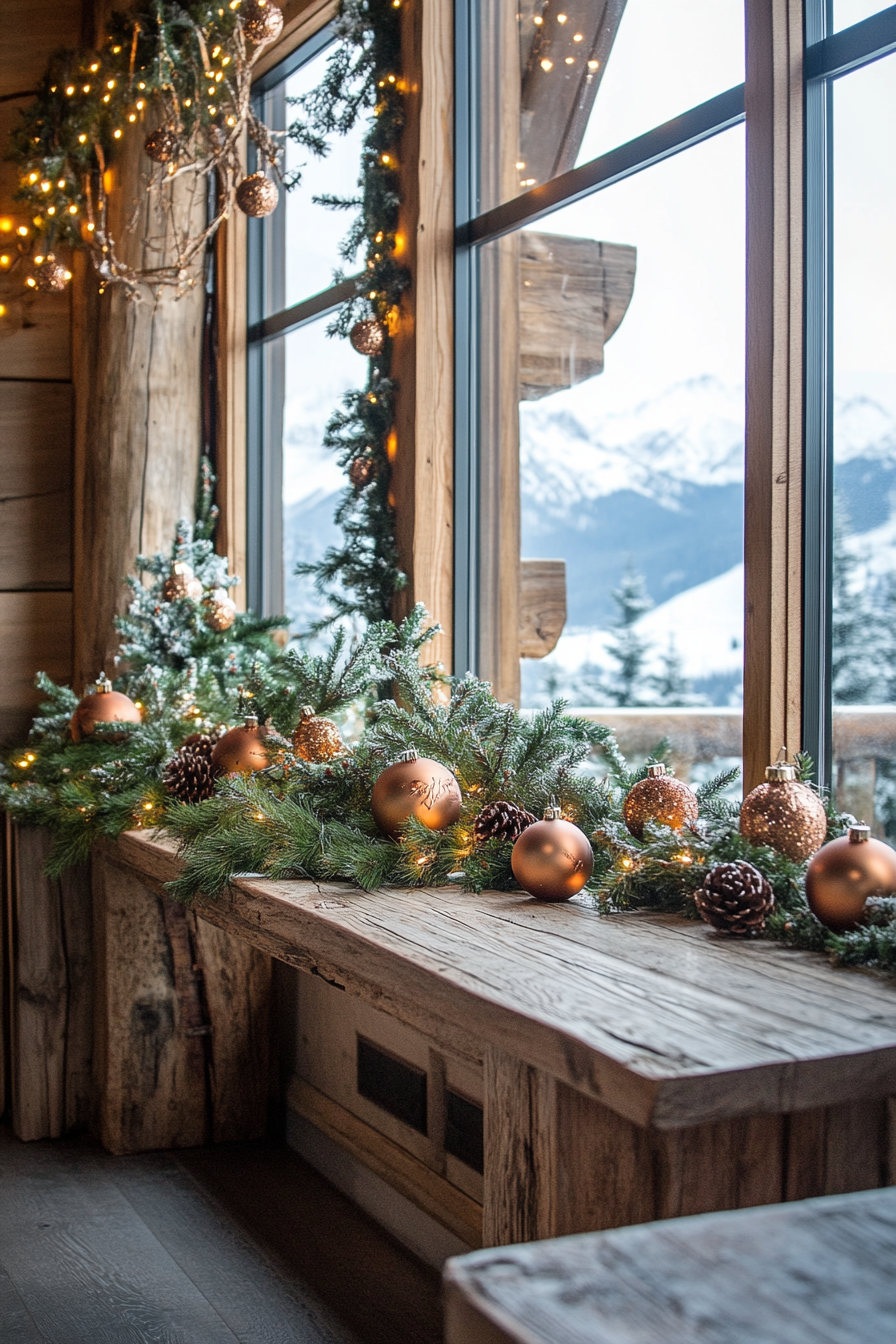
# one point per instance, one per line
(542, 606)
(36, 472)
(37, 636)
(230, 537)
(774, 421)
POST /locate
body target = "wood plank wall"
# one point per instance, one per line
(36, 408)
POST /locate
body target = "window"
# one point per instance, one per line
(851, 395)
(600, 357)
(296, 374)
(601, 326)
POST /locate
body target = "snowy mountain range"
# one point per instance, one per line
(660, 483)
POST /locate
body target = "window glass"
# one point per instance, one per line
(624, 317)
(572, 79)
(313, 233)
(848, 12)
(318, 370)
(864, 553)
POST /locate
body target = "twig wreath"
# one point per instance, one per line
(185, 72)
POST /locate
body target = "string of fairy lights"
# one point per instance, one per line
(182, 70)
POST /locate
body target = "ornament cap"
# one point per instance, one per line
(781, 769)
(103, 684)
(657, 771)
(859, 834)
(307, 712)
(410, 755)
(251, 720)
(553, 813)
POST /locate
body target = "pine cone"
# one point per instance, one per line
(189, 775)
(735, 897)
(501, 821)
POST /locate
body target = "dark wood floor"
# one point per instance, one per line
(207, 1246)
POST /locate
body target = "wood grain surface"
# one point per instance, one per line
(35, 634)
(241, 1242)
(658, 1018)
(819, 1270)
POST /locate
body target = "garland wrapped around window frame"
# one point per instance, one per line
(159, 67)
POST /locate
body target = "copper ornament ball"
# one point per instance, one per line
(262, 21)
(219, 610)
(162, 145)
(50, 276)
(659, 798)
(317, 739)
(360, 472)
(415, 787)
(784, 814)
(181, 583)
(242, 750)
(257, 195)
(103, 706)
(368, 337)
(844, 873)
(552, 859)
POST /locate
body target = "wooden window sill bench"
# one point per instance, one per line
(634, 1067)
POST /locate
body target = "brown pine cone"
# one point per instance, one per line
(189, 775)
(735, 898)
(501, 821)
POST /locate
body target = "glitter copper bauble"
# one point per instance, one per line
(103, 706)
(552, 859)
(415, 787)
(735, 897)
(784, 813)
(501, 821)
(659, 798)
(219, 610)
(317, 739)
(50, 276)
(844, 873)
(162, 145)
(368, 337)
(262, 21)
(360, 472)
(257, 195)
(242, 750)
(181, 583)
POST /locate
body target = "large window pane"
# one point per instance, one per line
(317, 373)
(620, 330)
(566, 80)
(848, 12)
(864, 588)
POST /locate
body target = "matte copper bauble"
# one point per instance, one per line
(51, 277)
(257, 195)
(219, 610)
(103, 706)
(162, 145)
(552, 859)
(415, 787)
(361, 472)
(784, 813)
(262, 21)
(242, 750)
(317, 739)
(844, 873)
(368, 337)
(660, 798)
(181, 583)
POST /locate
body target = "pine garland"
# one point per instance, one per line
(185, 678)
(364, 77)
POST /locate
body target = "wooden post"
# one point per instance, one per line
(774, 425)
(138, 416)
(181, 1021)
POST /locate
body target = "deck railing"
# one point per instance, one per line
(863, 734)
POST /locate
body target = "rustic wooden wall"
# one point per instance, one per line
(36, 407)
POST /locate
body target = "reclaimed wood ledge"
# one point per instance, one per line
(820, 1269)
(658, 1018)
